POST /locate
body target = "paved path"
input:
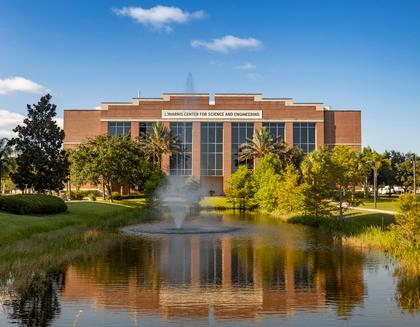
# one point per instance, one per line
(374, 210)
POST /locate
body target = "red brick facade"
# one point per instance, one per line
(331, 127)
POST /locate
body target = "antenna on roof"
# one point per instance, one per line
(139, 94)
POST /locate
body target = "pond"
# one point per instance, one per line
(265, 274)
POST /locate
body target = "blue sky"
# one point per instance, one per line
(348, 54)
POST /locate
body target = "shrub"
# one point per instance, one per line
(81, 194)
(129, 196)
(26, 204)
(407, 226)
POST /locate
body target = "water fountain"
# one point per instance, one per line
(177, 202)
(179, 196)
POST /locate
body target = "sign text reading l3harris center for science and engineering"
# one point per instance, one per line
(212, 114)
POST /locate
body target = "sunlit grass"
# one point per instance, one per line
(215, 202)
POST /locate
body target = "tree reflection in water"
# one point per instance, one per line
(37, 303)
(283, 271)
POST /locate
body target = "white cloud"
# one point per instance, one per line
(254, 76)
(159, 17)
(20, 84)
(227, 43)
(9, 120)
(246, 66)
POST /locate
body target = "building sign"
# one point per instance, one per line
(212, 114)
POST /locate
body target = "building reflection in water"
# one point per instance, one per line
(226, 277)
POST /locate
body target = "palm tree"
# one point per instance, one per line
(7, 163)
(261, 144)
(159, 140)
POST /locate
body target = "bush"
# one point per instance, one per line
(26, 204)
(128, 196)
(81, 194)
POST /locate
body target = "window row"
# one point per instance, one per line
(212, 142)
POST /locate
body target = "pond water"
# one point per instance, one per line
(266, 274)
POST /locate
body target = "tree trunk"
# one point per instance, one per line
(103, 191)
(365, 187)
(375, 191)
(341, 203)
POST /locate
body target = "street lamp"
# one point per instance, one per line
(414, 174)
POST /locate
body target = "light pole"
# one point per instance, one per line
(375, 182)
(414, 174)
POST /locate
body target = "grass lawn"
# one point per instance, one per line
(383, 203)
(215, 202)
(30, 244)
(87, 214)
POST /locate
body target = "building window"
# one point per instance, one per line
(119, 128)
(181, 163)
(276, 129)
(304, 136)
(211, 149)
(145, 127)
(240, 132)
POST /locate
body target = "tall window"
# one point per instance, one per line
(276, 129)
(145, 127)
(304, 136)
(211, 149)
(181, 163)
(119, 128)
(240, 132)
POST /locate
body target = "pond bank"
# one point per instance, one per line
(29, 243)
(364, 227)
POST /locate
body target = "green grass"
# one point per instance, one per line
(87, 214)
(383, 203)
(215, 202)
(30, 244)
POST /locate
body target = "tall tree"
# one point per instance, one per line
(240, 188)
(346, 172)
(378, 161)
(111, 161)
(405, 171)
(7, 162)
(317, 169)
(42, 163)
(159, 141)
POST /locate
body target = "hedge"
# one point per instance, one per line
(26, 204)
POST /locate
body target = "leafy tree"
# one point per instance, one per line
(111, 161)
(378, 162)
(159, 141)
(155, 181)
(7, 162)
(405, 171)
(346, 172)
(407, 221)
(290, 194)
(366, 168)
(317, 169)
(240, 189)
(267, 180)
(390, 176)
(42, 163)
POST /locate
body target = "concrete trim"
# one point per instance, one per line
(212, 120)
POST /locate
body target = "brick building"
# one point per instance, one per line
(211, 130)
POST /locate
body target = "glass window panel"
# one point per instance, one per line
(211, 143)
(180, 163)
